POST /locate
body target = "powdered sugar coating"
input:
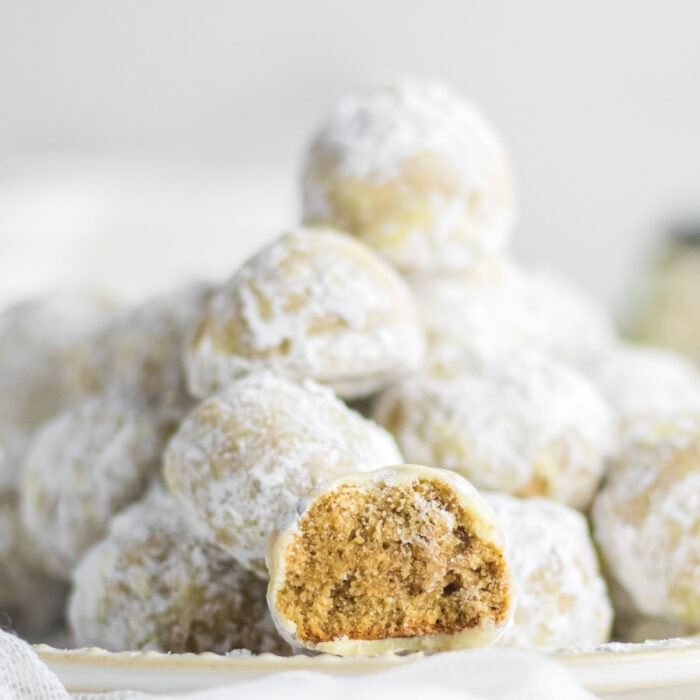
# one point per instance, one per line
(526, 426)
(416, 172)
(80, 469)
(141, 350)
(44, 347)
(641, 383)
(647, 518)
(152, 584)
(497, 309)
(245, 456)
(562, 597)
(314, 304)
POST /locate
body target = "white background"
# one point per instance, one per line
(147, 139)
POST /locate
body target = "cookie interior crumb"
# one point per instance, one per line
(399, 561)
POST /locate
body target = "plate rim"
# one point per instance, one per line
(610, 668)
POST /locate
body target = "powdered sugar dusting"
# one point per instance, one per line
(43, 359)
(246, 455)
(647, 517)
(415, 171)
(373, 133)
(314, 304)
(152, 584)
(141, 350)
(498, 309)
(562, 598)
(526, 425)
(645, 382)
(80, 469)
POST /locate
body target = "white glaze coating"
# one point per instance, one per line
(152, 584)
(497, 309)
(647, 517)
(244, 456)
(44, 347)
(562, 597)
(80, 469)
(457, 202)
(314, 304)
(526, 426)
(484, 527)
(642, 382)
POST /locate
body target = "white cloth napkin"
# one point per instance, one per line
(483, 674)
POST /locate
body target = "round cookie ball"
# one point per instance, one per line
(80, 469)
(316, 305)
(152, 584)
(497, 309)
(562, 597)
(44, 347)
(141, 350)
(416, 173)
(527, 426)
(642, 383)
(401, 559)
(241, 458)
(647, 518)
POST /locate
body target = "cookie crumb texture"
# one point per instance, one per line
(392, 562)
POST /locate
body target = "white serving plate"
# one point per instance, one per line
(668, 669)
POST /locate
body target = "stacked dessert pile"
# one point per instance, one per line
(191, 475)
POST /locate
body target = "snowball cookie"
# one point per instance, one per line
(403, 558)
(497, 309)
(80, 469)
(647, 518)
(414, 171)
(141, 350)
(644, 382)
(44, 359)
(241, 458)
(32, 601)
(562, 597)
(527, 426)
(152, 584)
(314, 304)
